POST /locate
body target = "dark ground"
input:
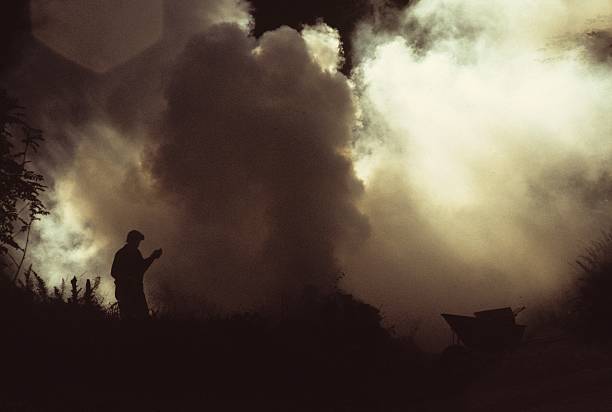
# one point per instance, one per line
(67, 354)
(329, 353)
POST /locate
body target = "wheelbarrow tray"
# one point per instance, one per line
(490, 330)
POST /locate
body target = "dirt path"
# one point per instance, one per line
(546, 376)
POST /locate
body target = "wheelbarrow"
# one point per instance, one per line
(492, 330)
(479, 342)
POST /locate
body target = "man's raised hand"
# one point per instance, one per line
(157, 253)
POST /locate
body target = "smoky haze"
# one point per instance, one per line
(461, 166)
(252, 150)
(230, 152)
(485, 153)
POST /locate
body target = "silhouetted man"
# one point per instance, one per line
(128, 270)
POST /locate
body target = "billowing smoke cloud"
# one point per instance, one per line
(486, 152)
(252, 150)
(96, 128)
(230, 152)
(480, 131)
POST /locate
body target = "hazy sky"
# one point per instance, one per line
(461, 164)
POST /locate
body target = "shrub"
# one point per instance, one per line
(591, 306)
(20, 186)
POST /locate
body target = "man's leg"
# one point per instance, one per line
(141, 309)
(126, 300)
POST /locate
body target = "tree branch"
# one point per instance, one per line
(25, 250)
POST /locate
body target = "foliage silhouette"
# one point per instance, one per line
(20, 187)
(73, 354)
(591, 307)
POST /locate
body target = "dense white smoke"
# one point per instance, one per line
(486, 151)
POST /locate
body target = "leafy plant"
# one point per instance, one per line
(20, 187)
(591, 306)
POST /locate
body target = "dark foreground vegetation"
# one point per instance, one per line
(590, 308)
(63, 351)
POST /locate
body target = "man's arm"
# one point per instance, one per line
(146, 263)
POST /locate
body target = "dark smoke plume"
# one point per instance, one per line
(229, 151)
(253, 150)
